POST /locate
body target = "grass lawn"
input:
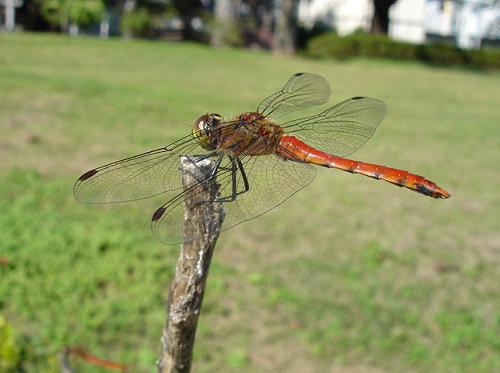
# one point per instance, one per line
(350, 275)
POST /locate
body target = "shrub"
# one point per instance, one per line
(227, 34)
(366, 45)
(80, 12)
(484, 58)
(138, 23)
(305, 34)
(441, 54)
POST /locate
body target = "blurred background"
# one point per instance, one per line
(350, 275)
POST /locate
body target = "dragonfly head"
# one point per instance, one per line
(202, 130)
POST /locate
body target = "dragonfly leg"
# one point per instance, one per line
(235, 165)
(232, 197)
(243, 175)
(213, 173)
(197, 158)
(216, 167)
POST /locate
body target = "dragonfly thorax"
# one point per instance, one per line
(250, 117)
(250, 134)
(202, 128)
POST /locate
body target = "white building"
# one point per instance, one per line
(466, 22)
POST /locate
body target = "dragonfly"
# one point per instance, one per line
(260, 158)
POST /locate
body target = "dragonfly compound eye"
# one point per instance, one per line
(215, 119)
(201, 130)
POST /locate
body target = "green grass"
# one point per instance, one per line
(351, 274)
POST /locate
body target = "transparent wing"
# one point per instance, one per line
(167, 222)
(130, 179)
(341, 129)
(302, 90)
(271, 182)
(141, 176)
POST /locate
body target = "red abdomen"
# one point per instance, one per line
(298, 151)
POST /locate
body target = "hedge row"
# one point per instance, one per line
(365, 45)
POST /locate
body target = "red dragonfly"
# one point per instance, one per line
(258, 163)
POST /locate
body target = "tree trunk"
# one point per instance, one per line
(188, 9)
(128, 7)
(380, 19)
(10, 14)
(224, 13)
(286, 26)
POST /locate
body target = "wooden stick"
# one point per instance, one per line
(202, 220)
(64, 361)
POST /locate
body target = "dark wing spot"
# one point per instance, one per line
(158, 213)
(357, 98)
(298, 74)
(88, 175)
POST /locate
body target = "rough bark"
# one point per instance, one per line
(64, 361)
(202, 220)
